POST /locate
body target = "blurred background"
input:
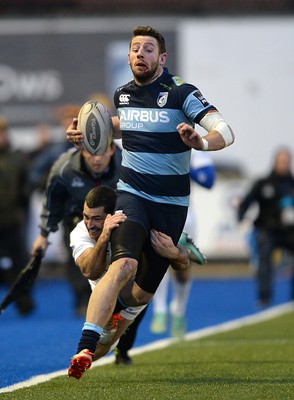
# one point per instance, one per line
(55, 54)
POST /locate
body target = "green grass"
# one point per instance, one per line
(253, 362)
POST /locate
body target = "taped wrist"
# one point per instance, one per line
(205, 144)
(215, 121)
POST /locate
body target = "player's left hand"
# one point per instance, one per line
(163, 244)
(190, 137)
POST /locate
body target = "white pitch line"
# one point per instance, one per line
(160, 344)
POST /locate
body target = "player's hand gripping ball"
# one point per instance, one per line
(94, 121)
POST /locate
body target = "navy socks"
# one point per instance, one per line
(88, 341)
(90, 336)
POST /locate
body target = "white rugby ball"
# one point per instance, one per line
(94, 121)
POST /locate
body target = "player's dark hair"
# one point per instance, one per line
(101, 196)
(149, 31)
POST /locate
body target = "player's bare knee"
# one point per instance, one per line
(124, 268)
(129, 266)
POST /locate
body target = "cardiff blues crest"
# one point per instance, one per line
(162, 99)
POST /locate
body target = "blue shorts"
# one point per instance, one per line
(132, 238)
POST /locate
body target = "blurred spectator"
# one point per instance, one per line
(71, 177)
(42, 142)
(41, 160)
(48, 151)
(14, 196)
(37, 175)
(274, 224)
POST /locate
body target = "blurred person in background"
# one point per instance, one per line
(41, 158)
(71, 177)
(48, 150)
(14, 198)
(202, 172)
(274, 224)
(42, 142)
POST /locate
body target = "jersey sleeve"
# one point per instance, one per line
(195, 106)
(54, 199)
(80, 240)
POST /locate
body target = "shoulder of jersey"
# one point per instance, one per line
(95, 123)
(128, 84)
(178, 81)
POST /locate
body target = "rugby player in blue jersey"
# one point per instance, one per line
(157, 112)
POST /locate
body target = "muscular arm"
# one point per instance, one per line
(92, 262)
(164, 246)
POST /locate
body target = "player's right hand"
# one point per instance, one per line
(111, 222)
(73, 135)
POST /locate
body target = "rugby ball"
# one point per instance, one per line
(94, 121)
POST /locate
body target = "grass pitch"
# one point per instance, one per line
(252, 362)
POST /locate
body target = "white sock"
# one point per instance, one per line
(179, 302)
(160, 298)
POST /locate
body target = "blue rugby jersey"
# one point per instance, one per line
(156, 162)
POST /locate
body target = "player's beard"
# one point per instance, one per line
(146, 76)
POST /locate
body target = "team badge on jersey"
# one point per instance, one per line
(162, 99)
(201, 98)
(177, 80)
(124, 99)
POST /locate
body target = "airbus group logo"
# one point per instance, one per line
(162, 99)
(124, 99)
(132, 119)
